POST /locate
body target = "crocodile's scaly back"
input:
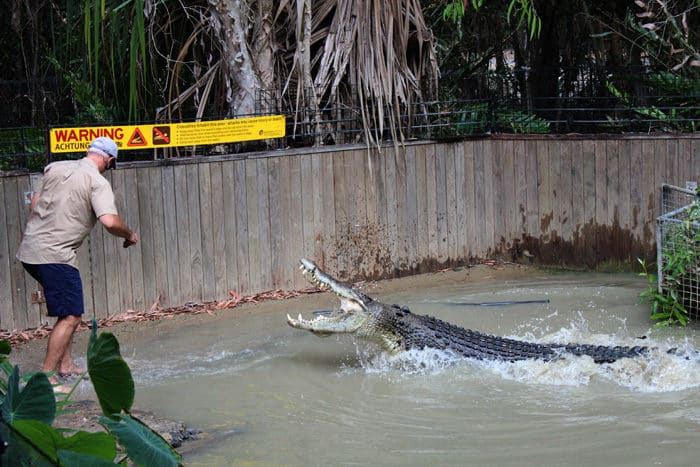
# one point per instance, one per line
(396, 329)
(421, 331)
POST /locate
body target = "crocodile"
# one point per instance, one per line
(396, 329)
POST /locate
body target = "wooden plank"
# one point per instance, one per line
(278, 259)
(390, 170)
(543, 191)
(469, 191)
(374, 232)
(194, 261)
(451, 231)
(360, 177)
(578, 195)
(207, 221)
(156, 251)
(401, 259)
(532, 208)
(508, 189)
(565, 181)
(174, 211)
(7, 257)
(499, 212)
(636, 186)
(327, 214)
(650, 191)
(432, 202)
(254, 220)
(118, 264)
(133, 298)
(554, 184)
(489, 197)
(520, 184)
(660, 159)
(613, 179)
(694, 161)
(308, 200)
(411, 209)
(625, 173)
(623, 216)
(480, 243)
(242, 226)
(230, 217)
(341, 217)
(601, 183)
(460, 230)
(18, 283)
(293, 203)
(147, 223)
(673, 174)
(441, 202)
(183, 254)
(685, 169)
(264, 224)
(422, 220)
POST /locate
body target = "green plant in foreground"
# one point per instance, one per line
(27, 412)
(678, 268)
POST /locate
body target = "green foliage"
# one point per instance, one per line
(34, 402)
(679, 267)
(28, 411)
(143, 445)
(101, 54)
(524, 10)
(22, 148)
(669, 118)
(109, 373)
(476, 119)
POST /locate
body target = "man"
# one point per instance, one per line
(73, 195)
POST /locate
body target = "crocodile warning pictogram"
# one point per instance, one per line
(137, 139)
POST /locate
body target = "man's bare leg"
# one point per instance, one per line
(60, 342)
(67, 367)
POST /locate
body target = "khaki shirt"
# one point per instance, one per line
(73, 195)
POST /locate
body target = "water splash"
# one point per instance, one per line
(657, 371)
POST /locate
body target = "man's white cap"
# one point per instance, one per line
(104, 146)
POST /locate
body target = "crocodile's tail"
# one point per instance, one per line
(602, 353)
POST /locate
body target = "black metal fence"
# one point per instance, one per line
(584, 102)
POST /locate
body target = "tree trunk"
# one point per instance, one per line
(232, 17)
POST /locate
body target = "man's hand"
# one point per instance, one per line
(132, 240)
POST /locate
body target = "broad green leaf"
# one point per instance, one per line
(36, 401)
(5, 347)
(109, 373)
(76, 459)
(49, 441)
(41, 436)
(100, 445)
(143, 445)
(20, 450)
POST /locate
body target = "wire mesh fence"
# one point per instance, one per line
(26, 147)
(678, 247)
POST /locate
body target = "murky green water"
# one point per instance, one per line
(272, 395)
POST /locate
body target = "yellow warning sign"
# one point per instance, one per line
(174, 134)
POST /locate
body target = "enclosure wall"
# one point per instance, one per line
(214, 225)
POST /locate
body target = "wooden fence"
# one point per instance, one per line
(211, 226)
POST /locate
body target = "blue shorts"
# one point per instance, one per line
(63, 288)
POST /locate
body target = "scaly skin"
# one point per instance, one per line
(396, 329)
